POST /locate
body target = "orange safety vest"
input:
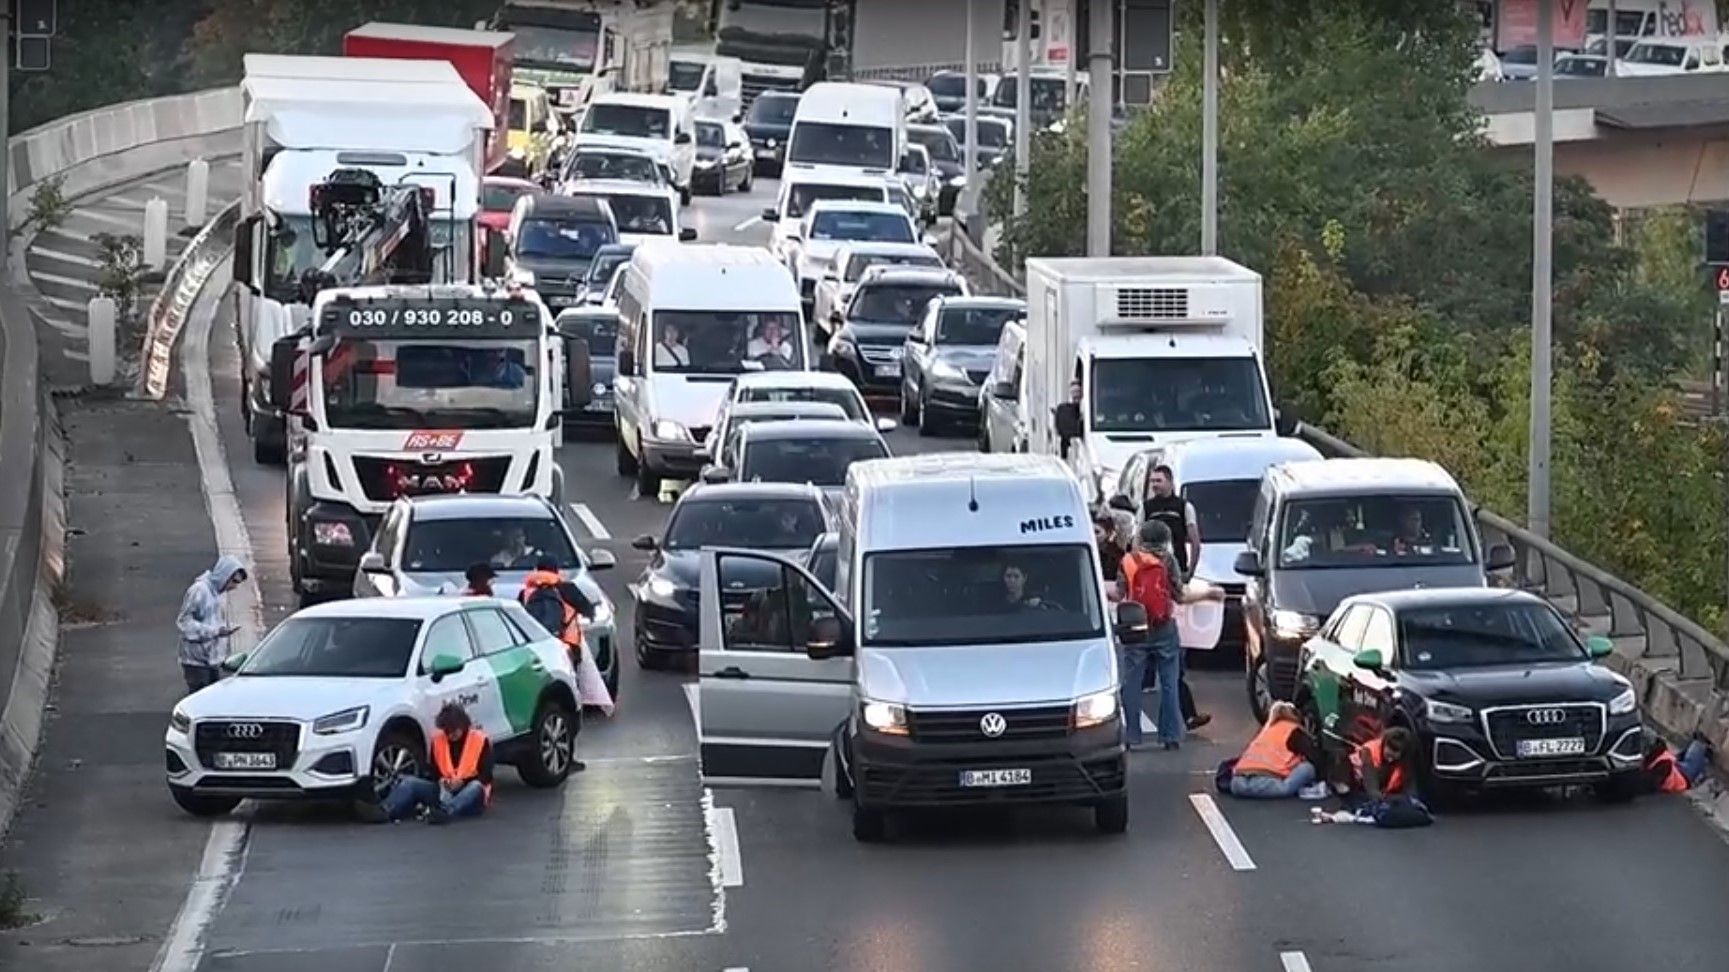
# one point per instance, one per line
(1673, 780)
(1368, 759)
(1269, 753)
(469, 766)
(570, 629)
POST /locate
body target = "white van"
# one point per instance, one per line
(714, 85)
(803, 185)
(964, 658)
(643, 211)
(691, 319)
(1655, 56)
(660, 124)
(854, 126)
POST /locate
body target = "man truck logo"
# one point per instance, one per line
(1040, 524)
(432, 441)
(430, 483)
(993, 724)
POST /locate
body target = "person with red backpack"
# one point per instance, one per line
(1150, 577)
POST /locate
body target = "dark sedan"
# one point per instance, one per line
(1494, 683)
(723, 158)
(776, 517)
(597, 329)
(888, 303)
(769, 125)
(607, 260)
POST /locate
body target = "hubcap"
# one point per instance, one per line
(390, 764)
(555, 743)
(1263, 687)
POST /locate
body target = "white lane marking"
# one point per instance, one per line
(694, 699)
(55, 278)
(747, 224)
(1147, 723)
(315, 950)
(135, 225)
(1294, 962)
(596, 529)
(63, 256)
(225, 849)
(725, 828)
(716, 867)
(390, 957)
(67, 303)
(167, 189)
(1222, 833)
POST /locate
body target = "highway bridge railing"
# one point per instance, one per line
(1680, 670)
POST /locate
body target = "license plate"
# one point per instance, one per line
(996, 777)
(245, 761)
(888, 371)
(598, 406)
(1568, 746)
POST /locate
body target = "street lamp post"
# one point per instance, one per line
(1542, 275)
(1023, 95)
(1099, 130)
(1210, 135)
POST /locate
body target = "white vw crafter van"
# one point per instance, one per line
(967, 659)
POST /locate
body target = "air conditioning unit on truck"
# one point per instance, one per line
(410, 390)
(1159, 349)
(405, 121)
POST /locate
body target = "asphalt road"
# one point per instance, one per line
(629, 866)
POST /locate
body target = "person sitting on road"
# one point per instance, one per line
(1279, 762)
(1383, 767)
(462, 758)
(1665, 773)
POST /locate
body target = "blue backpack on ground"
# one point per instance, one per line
(1399, 813)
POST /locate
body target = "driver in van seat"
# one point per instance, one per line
(1015, 595)
(770, 340)
(1411, 537)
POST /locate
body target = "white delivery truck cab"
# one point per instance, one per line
(1160, 349)
(964, 659)
(848, 126)
(401, 391)
(405, 121)
(661, 125)
(692, 317)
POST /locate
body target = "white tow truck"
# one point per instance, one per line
(406, 390)
(1157, 349)
(407, 122)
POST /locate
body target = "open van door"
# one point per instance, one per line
(775, 670)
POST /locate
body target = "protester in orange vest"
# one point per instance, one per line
(1279, 762)
(1664, 773)
(557, 604)
(1381, 767)
(462, 759)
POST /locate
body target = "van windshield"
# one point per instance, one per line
(821, 143)
(628, 121)
(1374, 530)
(727, 342)
(1178, 394)
(1223, 508)
(981, 596)
(800, 196)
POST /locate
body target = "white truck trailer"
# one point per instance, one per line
(305, 117)
(577, 49)
(1149, 350)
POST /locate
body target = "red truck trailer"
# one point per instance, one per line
(481, 57)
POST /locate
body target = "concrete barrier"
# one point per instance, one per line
(88, 153)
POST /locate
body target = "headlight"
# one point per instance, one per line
(1295, 624)
(662, 588)
(599, 390)
(948, 372)
(332, 535)
(1624, 703)
(772, 144)
(886, 717)
(519, 153)
(665, 429)
(958, 181)
(179, 721)
(705, 163)
(602, 613)
(522, 276)
(347, 720)
(1096, 709)
(920, 190)
(1446, 712)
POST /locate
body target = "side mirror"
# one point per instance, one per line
(1132, 625)
(1369, 658)
(887, 425)
(714, 475)
(687, 234)
(601, 560)
(1501, 557)
(828, 639)
(831, 276)
(283, 355)
(627, 363)
(443, 665)
(244, 235)
(645, 542)
(1004, 390)
(496, 250)
(1068, 420)
(578, 372)
(1282, 425)
(1599, 647)
(682, 138)
(232, 663)
(915, 337)
(1249, 564)
(372, 562)
(770, 216)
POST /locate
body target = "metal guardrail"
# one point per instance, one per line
(180, 290)
(983, 272)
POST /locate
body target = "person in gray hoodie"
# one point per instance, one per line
(204, 628)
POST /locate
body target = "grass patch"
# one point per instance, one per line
(13, 901)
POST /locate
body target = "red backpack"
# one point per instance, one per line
(1149, 585)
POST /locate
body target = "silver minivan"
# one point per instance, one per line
(964, 658)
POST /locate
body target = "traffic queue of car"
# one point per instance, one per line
(925, 631)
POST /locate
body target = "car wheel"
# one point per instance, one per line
(553, 743)
(645, 660)
(909, 413)
(267, 453)
(749, 180)
(1112, 816)
(984, 443)
(1258, 682)
(927, 421)
(869, 824)
(647, 480)
(396, 756)
(626, 462)
(610, 677)
(200, 805)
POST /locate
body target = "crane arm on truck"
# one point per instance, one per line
(370, 233)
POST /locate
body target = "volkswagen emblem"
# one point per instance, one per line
(1546, 717)
(993, 724)
(245, 730)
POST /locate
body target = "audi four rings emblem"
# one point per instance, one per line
(993, 724)
(245, 730)
(1546, 717)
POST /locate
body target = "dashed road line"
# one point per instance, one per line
(1294, 962)
(694, 700)
(725, 829)
(55, 278)
(64, 257)
(747, 224)
(1223, 835)
(596, 529)
(132, 225)
(66, 303)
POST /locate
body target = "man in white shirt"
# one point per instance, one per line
(670, 350)
(770, 340)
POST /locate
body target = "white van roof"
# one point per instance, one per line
(928, 501)
(1365, 475)
(714, 276)
(805, 174)
(793, 379)
(1225, 457)
(671, 103)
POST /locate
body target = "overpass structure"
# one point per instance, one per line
(1640, 142)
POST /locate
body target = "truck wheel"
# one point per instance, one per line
(869, 824)
(1112, 816)
(552, 745)
(558, 486)
(626, 461)
(200, 805)
(266, 453)
(647, 480)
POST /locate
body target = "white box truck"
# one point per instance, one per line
(304, 118)
(1151, 350)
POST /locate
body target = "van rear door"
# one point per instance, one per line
(766, 708)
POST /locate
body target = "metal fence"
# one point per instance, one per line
(185, 281)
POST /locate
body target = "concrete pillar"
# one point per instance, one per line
(156, 233)
(102, 322)
(197, 191)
